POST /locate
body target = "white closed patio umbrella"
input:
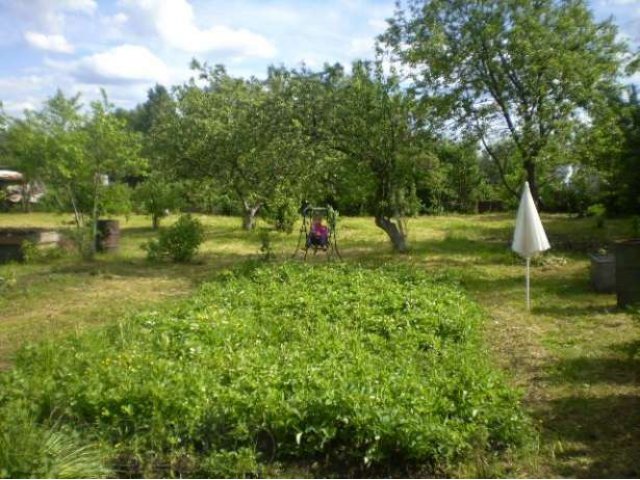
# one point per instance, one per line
(529, 237)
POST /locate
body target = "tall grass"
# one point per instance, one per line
(32, 450)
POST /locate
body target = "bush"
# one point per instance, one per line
(598, 211)
(284, 212)
(31, 253)
(179, 242)
(362, 371)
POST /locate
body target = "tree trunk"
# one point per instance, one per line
(155, 221)
(25, 197)
(249, 217)
(395, 231)
(530, 168)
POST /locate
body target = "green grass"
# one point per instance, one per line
(575, 355)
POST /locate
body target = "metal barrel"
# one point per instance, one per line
(108, 239)
(628, 272)
(603, 273)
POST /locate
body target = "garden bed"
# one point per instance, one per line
(344, 370)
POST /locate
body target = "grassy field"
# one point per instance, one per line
(576, 357)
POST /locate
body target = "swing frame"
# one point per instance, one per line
(331, 248)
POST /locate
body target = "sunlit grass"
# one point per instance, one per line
(575, 354)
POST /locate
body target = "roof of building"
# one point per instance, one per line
(11, 175)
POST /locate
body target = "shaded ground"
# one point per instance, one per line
(575, 356)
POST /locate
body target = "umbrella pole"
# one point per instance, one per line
(528, 284)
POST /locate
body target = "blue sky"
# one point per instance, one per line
(126, 46)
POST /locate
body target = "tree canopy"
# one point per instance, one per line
(519, 70)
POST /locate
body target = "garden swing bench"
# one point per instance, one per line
(316, 235)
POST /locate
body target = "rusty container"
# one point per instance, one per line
(628, 272)
(603, 272)
(108, 238)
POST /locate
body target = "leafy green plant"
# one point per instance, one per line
(598, 211)
(8, 279)
(156, 196)
(31, 253)
(285, 212)
(266, 249)
(357, 369)
(179, 242)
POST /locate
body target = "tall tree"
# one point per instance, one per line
(375, 130)
(23, 149)
(526, 70)
(84, 157)
(242, 135)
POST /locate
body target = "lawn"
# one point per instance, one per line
(575, 356)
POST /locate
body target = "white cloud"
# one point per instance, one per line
(118, 18)
(84, 6)
(120, 65)
(362, 47)
(52, 43)
(22, 83)
(378, 24)
(618, 2)
(47, 15)
(174, 22)
(16, 108)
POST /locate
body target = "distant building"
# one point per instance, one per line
(12, 184)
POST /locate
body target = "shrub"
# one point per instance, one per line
(598, 211)
(157, 196)
(285, 212)
(355, 369)
(179, 242)
(31, 253)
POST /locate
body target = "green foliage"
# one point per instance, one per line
(80, 157)
(619, 158)
(365, 371)
(31, 253)
(266, 249)
(32, 450)
(582, 189)
(8, 279)
(516, 71)
(116, 200)
(598, 211)
(284, 211)
(156, 195)
(243, 136)
(376, 130)
(179, 242)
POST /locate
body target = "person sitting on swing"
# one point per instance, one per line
(319, 234)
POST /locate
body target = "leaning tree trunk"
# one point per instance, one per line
(395, 231)
(249, 216)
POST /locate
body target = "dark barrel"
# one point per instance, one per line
(603, 273)
(628, 272)
(108, 238)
